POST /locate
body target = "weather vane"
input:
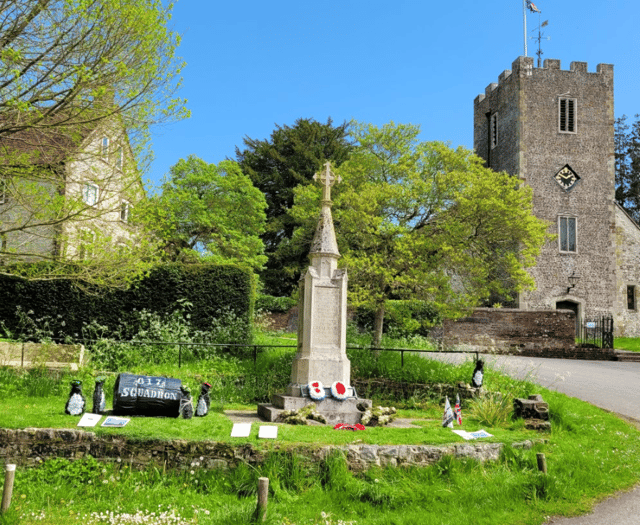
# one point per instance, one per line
(528, 4)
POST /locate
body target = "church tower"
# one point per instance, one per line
(554, 130)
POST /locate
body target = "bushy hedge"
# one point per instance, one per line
(402, 318)
(269, 303)
(211, 291)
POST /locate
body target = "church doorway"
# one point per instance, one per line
(575, 308)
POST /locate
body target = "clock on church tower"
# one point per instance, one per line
(567, 178)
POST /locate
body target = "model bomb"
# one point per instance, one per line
(478, 374)
(76, 402)
(99, 403)
(203, 404)
(186, 406)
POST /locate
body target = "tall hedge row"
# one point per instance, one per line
(210, 289)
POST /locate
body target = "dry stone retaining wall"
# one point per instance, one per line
(30, 446)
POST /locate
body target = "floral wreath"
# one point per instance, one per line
(339, 390)
(316, 391)
(344, 426)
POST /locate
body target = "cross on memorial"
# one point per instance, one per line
(327, 178)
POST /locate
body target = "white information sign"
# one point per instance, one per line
(473, 435)
(89, 420)
(241, 430)
(268, 432)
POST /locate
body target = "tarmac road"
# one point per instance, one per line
(612, 385)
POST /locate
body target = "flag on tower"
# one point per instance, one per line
(532, 7)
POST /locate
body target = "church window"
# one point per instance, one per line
(631, 297)
(494, 130)
(104, 146)
(567, 234)
(567, 115)
(90, 194)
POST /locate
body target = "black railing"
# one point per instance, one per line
(255, 349)
(596, 332)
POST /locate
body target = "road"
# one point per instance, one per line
(612, 385)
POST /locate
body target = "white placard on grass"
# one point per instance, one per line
(268, 432)
(112, 421)
(89, 420)
(473, 435)
(241, 430)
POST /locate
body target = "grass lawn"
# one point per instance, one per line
(590, 454)
(627, 343)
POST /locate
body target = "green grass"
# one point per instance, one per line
(590, 453)
(627, 343)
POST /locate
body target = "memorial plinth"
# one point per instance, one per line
(322, 326)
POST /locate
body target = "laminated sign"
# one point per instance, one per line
(147, 396)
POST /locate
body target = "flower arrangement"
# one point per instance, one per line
(316, 391)
(344, 426)
(339, 390)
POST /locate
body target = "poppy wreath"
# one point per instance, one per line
(339, 391)
(316, 391)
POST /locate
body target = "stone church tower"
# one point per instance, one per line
(554, 130)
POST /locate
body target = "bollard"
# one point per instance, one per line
(9, 476)
(542, 462)
(263, 496)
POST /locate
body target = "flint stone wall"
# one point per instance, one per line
(28, 447)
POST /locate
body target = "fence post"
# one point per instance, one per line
(179, 356)
(255, 357)
(9, 476)
(263, 497)
(401, 358)
(542, 462)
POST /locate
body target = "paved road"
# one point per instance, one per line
(611, 385)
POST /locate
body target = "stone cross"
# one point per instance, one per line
(327, 178)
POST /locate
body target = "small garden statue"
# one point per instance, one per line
(99, 403)
(203, 404)
(478, 374)
(186, 406)
(76, 402)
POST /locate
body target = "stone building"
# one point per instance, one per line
(554, 130)
(92, 170)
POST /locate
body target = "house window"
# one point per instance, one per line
(104, 147)
(631, 297)
(494, 130)
(87, 239)
(125, 208)
(567, 234)
(90, 194)
(119, 157)
(567, 115)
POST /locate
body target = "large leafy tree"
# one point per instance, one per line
(209, 212)
(70, 72)
(421, 220)
(290, 157)
(627, 154)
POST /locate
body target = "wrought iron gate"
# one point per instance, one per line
(596, 332)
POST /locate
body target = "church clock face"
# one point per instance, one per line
(567, 178)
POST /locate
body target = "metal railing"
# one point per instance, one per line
(256, 348)
(596, 332)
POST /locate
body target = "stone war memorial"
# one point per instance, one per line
(321, 371)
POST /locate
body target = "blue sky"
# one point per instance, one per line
(251, 65)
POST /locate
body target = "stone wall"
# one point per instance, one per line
(627, 237)
(50, 355)
(28, 447)
(533, 333)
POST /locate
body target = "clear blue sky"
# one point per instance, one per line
(253, 64)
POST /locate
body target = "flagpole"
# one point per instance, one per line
(524, 21)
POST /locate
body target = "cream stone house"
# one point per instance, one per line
(62, 193)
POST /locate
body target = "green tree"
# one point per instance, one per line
(421, 220)
(289, 158)
(72, 71)
(627, 154)
(211, 212)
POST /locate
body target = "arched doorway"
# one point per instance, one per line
(575, 308)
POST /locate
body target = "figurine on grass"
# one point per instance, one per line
(203, 404)
(99, 403)
(76, 402)
(478, 374)
(186, 406)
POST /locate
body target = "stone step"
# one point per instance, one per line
(625, 355)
